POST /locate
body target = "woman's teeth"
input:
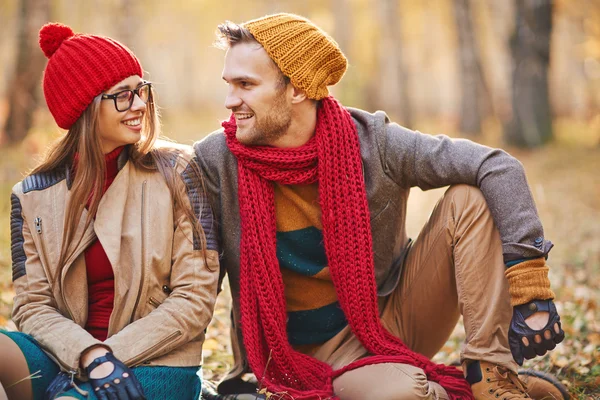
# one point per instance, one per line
(132, 122)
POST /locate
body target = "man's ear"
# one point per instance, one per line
(298, 95)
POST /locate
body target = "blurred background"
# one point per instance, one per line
(523, 75)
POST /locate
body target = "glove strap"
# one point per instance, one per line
(108, 357)
(529, 281)
(527, 310)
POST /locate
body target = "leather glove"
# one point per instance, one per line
(120, 384)
(59, 385)
(549, 336)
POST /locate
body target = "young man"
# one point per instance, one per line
(330, 296)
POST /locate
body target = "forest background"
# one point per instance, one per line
(523, 75)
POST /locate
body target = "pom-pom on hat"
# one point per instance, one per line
(302, 51)
(80, 67)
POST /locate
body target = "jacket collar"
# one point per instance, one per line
(121, 161)
(108, 224)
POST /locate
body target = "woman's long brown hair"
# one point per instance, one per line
(88, 183)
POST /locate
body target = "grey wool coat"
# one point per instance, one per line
(394, 160)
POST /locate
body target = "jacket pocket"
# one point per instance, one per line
(153, 302)
(378, 214)
(157, 298)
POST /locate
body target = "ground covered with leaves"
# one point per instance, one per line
(565, 181)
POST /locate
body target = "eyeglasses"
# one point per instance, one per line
(124, 99)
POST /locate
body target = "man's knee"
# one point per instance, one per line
(465, 194)
(468, 202)
(384, 382)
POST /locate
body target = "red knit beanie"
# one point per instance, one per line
(80, 67)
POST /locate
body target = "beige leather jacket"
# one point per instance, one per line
(164, 289)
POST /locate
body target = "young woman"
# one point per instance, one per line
(114, 258)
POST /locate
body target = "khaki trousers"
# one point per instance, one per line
(454, 267)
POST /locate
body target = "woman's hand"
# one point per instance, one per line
(90, 355)
(110, 378)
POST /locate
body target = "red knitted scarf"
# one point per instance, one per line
(332, 157)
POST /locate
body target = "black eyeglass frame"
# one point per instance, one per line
(134, 92)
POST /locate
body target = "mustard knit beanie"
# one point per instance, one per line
(302, 51)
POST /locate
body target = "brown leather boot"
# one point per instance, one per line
(543, 386)
(492, 382)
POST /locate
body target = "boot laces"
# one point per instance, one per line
(508, 385)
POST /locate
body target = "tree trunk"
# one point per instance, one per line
(531, 123)
(24, 87)
(475, 102)
(393, 85)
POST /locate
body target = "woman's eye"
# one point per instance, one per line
(123, 96)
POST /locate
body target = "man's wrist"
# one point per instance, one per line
(529, 281)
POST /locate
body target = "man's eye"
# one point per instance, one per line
(245, 84)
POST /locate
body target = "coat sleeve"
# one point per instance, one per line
(415, 159)
(188, 309)
(35, 310)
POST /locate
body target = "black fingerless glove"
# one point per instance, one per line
(120, 384)
(519, 330)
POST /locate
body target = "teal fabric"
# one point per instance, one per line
(159, 383)
(302, 251)
(519, 261)
(315, 326)
(38, 362)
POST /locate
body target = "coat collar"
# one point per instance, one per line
(121, 162)
(108, 224)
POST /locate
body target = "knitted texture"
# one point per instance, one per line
(529, 281)
(332, 157)
(80, 67)
(158, 382)
(304, 53)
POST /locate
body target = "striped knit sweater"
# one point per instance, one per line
(314, 314)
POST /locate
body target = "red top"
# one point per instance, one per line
(100, 276)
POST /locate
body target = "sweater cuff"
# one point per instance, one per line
(529, 281)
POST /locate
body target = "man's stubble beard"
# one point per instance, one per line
(273, 125)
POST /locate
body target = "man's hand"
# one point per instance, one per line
(534, 329)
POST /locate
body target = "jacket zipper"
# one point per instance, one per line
(154, 302)
(38, 227)
(65, 367)
(146, 354)
(143, 267)
(51, 279)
